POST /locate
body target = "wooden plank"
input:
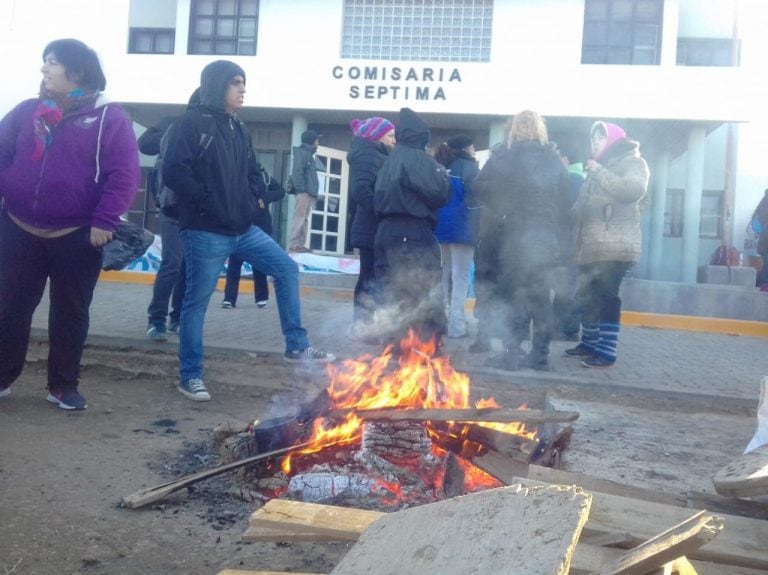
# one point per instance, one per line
(486, 414)
(742, 542)
(507, 470)
(677, 541)
(150, 495)
(745, 476)
(339, 523)
(587, 559)
(496, 532)
(262, 533)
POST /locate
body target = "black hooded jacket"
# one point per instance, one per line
(365, 159)
(411, 183)
(218, 184)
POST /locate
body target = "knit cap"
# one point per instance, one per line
(371, 129)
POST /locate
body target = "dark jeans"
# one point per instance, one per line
(566, 301)
(408, 273)
(364, 295)
(232, 287)
(529, 291)
(26, 263)
(599, 285)
(170, 280)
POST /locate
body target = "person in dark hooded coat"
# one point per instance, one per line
(373, 139)
(410, 189)
(525, 190)
(219, 186)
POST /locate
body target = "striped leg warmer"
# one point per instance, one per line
(609, 340)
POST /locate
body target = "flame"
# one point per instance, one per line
(420, 381)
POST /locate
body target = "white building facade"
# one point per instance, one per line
(686, 78)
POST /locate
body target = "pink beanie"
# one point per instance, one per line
(371, 129)
(613, 134)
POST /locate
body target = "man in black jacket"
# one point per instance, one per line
(219, 187)
(410, 189)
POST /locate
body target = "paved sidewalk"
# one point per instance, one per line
(671, 361)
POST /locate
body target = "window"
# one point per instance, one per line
(224, 27)
(711, 225)
(673, 214)
(711, 214)
(622, 32)
(446, 31)
(707, 52)
(151, 40)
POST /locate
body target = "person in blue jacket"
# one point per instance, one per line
(455, 230)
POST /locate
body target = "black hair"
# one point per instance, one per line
(80, 61)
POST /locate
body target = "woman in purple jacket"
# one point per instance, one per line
(68, 169)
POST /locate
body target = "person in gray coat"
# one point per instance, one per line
(607, 238)
(306, 186)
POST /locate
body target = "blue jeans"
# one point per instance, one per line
(205, 253)
(169, 281)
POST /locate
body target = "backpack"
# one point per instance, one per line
(725, 256)
(166, 199)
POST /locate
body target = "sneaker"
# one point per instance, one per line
(309, 354)
(597, 361)
(262, 303)
(69, 399)
(157, 332)
(580, 351)
(226, 304)
(173, 327)
(5, 392)
(194, 389)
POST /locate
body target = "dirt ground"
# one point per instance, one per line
(62, 475)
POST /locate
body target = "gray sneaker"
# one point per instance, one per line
(157, 332)
(194, 389)
(173, 327)
(311, 354)
(5, 392)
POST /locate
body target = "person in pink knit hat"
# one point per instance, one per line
(373, 139)
(607, 238)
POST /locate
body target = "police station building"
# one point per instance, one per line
(686, 78)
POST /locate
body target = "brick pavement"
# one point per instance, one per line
(663, 360)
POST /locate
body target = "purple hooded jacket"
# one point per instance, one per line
(88, 175)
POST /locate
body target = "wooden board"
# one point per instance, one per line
(506, 469)
(742, 543)
(678, 541)
(496, 532)
(590, 555)
(333, 523)
(745, 476)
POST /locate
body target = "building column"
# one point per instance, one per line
(181, 34)
(658, 206)
(694, 184)
(496, 133)
(297, 128)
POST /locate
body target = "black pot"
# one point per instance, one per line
(277, 433)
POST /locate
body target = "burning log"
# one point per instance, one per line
(515, 446)
(397, 440)
(315, 487)
(482, 414)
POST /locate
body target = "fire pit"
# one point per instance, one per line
(393, 431)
